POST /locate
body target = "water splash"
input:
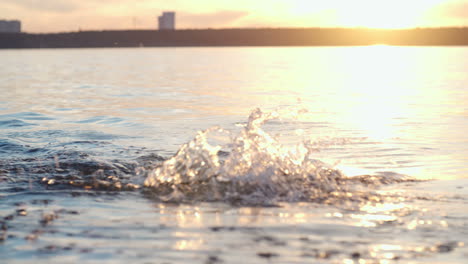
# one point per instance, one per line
(252, 167)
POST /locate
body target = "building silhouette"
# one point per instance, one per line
(166, 21)
(10, 26)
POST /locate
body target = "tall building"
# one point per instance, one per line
(167, 21)
(10, 26)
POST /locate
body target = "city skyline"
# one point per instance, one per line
(62, 16)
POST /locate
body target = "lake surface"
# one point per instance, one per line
(222, 155)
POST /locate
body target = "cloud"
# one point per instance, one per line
(44, 5)
(455, 10)
(446, 14)
(204, 20)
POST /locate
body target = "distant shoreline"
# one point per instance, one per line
(239, 37)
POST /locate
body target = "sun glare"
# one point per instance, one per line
(380, 14)
(307, 7)
(368, 13)
(376, 14)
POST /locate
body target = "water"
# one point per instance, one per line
(222, 155)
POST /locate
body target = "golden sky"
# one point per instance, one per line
(73, 15)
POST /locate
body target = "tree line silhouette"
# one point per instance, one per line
(239, 37)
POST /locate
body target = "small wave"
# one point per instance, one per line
(101, 120)
(9, 148)
(26, 116)
(71, 170)
(14, 123)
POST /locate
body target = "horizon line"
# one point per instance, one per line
(239, 28)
